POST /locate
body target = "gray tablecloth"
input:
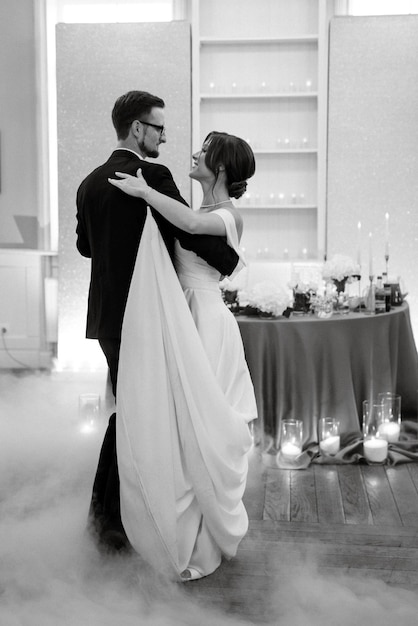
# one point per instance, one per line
(307, 368)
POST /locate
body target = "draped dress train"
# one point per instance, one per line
(184, 402)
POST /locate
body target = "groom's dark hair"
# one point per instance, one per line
(133, 105)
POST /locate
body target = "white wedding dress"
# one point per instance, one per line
(184, 401)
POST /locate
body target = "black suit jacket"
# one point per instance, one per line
(109, 229)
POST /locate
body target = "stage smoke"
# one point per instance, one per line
(51, 574)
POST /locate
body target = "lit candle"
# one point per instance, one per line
(387, 234)
(375, 450)
(359, 246)
(290, 450)
(390, 431)
(370, 255)
(330, 445)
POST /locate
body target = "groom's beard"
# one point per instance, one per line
(152, 153)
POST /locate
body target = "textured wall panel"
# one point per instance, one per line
(96, 63)
(373, 136)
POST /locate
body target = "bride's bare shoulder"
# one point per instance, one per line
(238, 220)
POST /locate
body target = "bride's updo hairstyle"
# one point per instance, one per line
(235, 155)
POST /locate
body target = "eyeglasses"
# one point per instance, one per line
(161, 129)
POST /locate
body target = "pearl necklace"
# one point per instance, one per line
(209, 206)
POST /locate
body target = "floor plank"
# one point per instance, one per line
(379, 493)
(328, 494)
(404, 493)
(277, 500)
(396, 535)
(355, 501)
(303, 507)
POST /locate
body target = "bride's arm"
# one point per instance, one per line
(175, 212)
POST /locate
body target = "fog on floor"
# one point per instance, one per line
(52, 575)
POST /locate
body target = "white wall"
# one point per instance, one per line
(18, 123)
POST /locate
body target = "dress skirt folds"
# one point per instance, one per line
(182, 414)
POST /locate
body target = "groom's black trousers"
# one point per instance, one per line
(104, 514)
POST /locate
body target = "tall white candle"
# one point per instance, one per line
(370, 255)
(387, 234)
(359, 246)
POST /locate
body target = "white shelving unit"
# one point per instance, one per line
(260, 72)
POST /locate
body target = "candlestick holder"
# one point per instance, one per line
(370, 297)
(390, 425)
(291, 439)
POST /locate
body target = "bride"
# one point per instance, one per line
(184, 395)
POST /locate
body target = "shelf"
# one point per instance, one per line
(283, 151)
(262, 75)
(276, 207)
(215, 41)
(260, 96)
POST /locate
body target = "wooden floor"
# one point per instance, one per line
(340, 520)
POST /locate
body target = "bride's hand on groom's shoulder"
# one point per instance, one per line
(132, 185)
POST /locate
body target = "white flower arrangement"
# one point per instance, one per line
(267, 297)
(297, 286)
(339, 267)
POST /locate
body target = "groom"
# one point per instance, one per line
(109, 229)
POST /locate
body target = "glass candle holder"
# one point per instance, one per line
(390, 427)
(88, 411)
(291, 438)
(375, 446)
(329, 435)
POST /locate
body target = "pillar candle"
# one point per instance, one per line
(390, 431)
(330, 445)
(290, 450)
(375, 450)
